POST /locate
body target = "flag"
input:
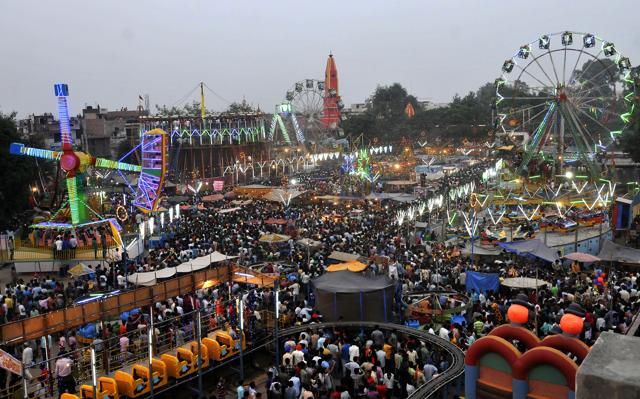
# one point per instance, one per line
(409, 111)
(140, 97)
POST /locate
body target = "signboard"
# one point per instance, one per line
(10, 363)
(218, 185)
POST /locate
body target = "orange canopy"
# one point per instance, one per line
(353, 266)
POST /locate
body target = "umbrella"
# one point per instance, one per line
(524, 282)
(80, 270)
(353, 266)
(178, 199)
(274, 238)
(309, 243)
(582, 257)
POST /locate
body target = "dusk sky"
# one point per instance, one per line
(111, 51)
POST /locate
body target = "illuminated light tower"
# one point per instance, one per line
(332, 102)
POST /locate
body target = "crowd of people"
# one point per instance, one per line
(318, 362)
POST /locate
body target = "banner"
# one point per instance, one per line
(482, 282)
(10, 363)
(218, 185)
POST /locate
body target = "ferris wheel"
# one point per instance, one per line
(307, 108)
(303, 110)
(570, 93)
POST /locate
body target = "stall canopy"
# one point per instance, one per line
(229, 210)
(213, 198)
(344, 295)
(275, 221)
(274, 238)
(531, 248)
(482, 282)
(149, 278)
(524, 282)
(309, 243)
(582, 257)
(280, 195)
(353, 266)
(80, 270)
(480, 250)
(619, 253)
(343, 256)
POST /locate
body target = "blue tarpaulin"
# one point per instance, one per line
(482, 282)
(532, 249)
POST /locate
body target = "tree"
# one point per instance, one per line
(17, 173)
(384, 118)
(630, 139)
(240, 107)
(189, 109)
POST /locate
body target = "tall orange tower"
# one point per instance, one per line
(332, 102)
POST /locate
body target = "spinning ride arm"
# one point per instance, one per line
(109, 164)
(20, 149)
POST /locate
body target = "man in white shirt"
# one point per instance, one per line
(443, 333)
(354, 352)
(120, 279)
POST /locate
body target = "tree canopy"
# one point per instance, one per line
(385, 116)
(17, 173)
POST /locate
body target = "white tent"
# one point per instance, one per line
(343, 256)
(280, 195)
(229, 210)
(202, 262)
(199, 263)
(166, 272)
(146, 279)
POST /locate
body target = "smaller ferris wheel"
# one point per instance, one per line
(302, 111)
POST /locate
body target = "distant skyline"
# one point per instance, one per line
(111, 52)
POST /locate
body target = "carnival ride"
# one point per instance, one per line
(77, 165)
(303, 110)
(572, 111)
(312, 107)
(542, 368)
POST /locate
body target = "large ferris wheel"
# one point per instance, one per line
(572, 93)
(303, 110)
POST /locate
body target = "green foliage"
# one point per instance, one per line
(630, 140)
(17, 173)
(385, 117)
(189, 109)
(240, 107)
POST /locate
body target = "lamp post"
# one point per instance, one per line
(240, 307)
(150, 350)
(276, 286)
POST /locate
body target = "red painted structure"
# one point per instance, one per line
(331, 117)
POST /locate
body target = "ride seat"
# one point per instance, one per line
(215, 350)
(106, 389)
(204, 353)
(131, 386)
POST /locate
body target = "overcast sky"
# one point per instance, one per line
(111, 51)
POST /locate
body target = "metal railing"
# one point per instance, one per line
(112, 357)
